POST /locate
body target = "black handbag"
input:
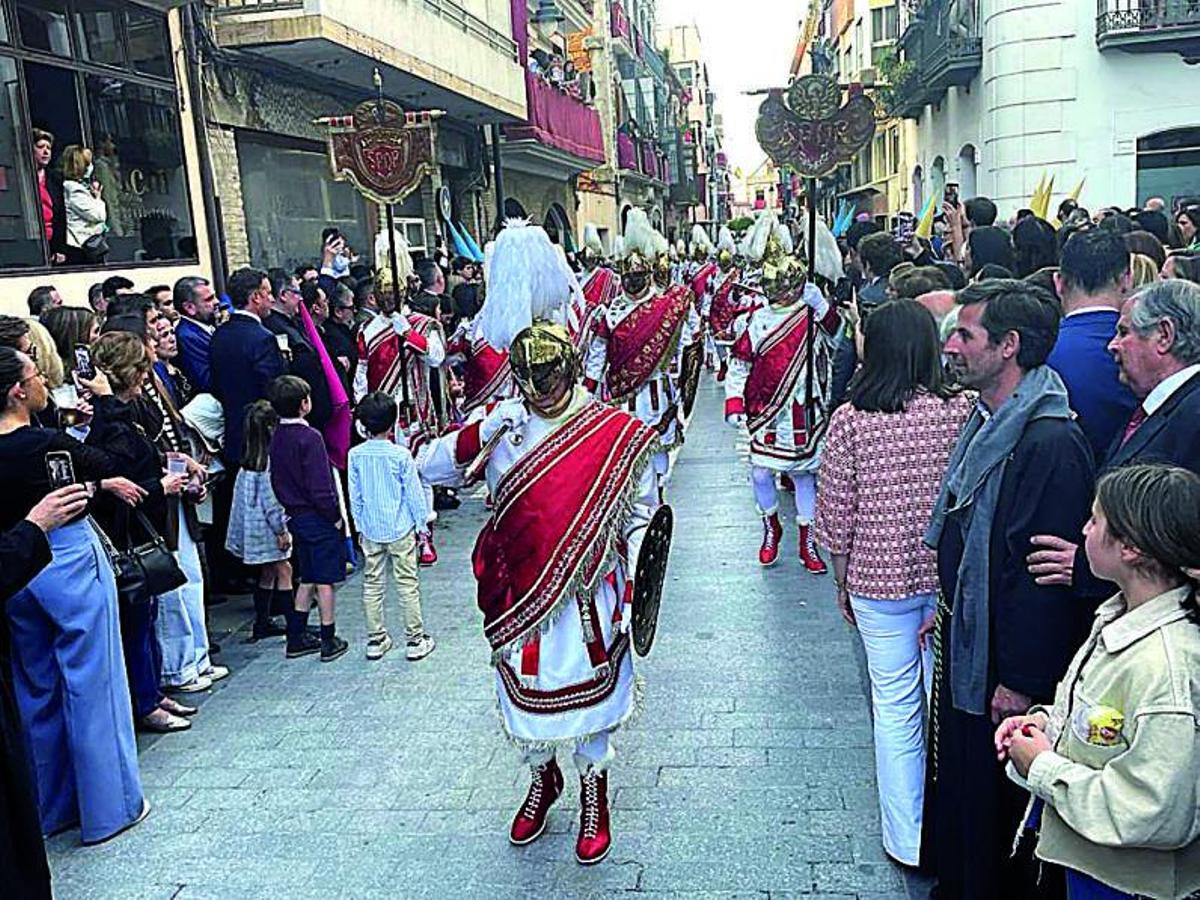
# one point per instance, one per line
(143, 571)
(95, 249)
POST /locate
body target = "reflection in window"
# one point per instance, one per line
(138, 159)
(98, 27)
(21, 229)
(284, 226)
(43, 25)
(148, 43)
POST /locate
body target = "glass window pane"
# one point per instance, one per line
(289, 195)
(98, 28)
(43, 25)
(138, 159)
(22, 231)
(148, 44)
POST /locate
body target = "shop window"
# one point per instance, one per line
(128, 122)
(43, 26)
(289, 195)
(21, 240)
(98, 28)
(138, 160)
(149, 46)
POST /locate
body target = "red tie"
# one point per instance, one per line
(1135, 422)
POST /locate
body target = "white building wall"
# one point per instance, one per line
(1048, 101)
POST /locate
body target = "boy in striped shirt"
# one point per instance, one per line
(389, 508)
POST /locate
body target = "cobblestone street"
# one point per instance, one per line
(748, 772)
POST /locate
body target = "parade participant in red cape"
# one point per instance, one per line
(636, 341)
(730, 302)
(397, 346)
(574, 491)
(768, 388)
(600, 283)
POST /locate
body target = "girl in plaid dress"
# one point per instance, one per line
(258, 532)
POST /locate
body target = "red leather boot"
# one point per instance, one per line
(595, 835)
(809, 555)
(768, 553)
(545, 787)
(722, 371)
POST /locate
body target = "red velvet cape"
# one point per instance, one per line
(558, 515)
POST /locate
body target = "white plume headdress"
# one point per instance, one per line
(640, 236)
(829, 256)
(756, 240)
(591, 239)
(700, 238)
(527, 278)
(618, 247)
(404, 260)
(725, 240)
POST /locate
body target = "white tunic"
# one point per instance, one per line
(563, 660)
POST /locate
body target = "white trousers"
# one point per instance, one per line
(596, 752)
(901, 679)
(766, 493)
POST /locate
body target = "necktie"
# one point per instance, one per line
(1135, 422)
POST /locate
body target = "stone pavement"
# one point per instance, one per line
(748, 773)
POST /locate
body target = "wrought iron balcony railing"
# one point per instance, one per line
(1149, 26)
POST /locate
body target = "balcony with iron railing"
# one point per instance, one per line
(1149, 26)
(437, 53)
(936, 54)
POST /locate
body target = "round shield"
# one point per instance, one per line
(648, 581)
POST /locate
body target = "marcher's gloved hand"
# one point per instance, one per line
(737, 420)
(815, 300)
(509, 413)
(400, 324)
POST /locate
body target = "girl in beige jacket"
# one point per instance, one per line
(1114, 766)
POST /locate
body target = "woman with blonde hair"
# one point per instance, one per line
(87, 213)
(1143, 269)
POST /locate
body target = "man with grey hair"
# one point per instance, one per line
(1157, 347)
(196, 303)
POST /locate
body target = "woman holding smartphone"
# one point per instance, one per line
(64, 627)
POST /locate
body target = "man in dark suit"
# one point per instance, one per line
(244, 356)
(1093, 281)
(1157, 347)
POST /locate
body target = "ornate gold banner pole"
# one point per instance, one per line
(385, 153)
(808, 128)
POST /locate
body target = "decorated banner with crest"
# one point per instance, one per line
(382, 150)
(808, 128)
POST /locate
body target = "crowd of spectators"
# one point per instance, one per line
(1010, 490)
(187, 430)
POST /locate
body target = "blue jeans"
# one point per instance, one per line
(1085, 887)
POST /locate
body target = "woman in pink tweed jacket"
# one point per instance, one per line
(884, 458)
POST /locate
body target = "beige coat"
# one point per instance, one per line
(1124, 807)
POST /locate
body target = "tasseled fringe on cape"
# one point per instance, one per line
(607, 538)
(630, 718)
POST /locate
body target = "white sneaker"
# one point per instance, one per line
(378, 646)
(419, 648)
(215, 673)
(195, 686)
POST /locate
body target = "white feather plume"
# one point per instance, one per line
(700, 238)
(527, 278)
(783, 234)
(618, 247)
(829, 257)
(639, 233)
(404, 260)
(591, 239)
(756, 241)
(725, 240)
